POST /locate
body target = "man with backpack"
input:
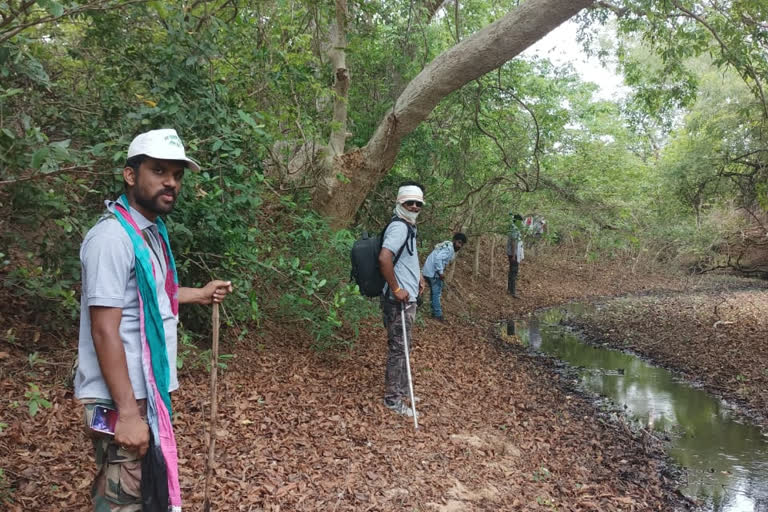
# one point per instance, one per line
(404, 284)
(434, 270)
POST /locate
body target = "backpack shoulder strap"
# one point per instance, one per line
(409, 236)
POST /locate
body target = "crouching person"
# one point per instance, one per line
(399, 264)
(434, 270)
(128, 319)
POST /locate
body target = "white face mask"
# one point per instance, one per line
(403, 213)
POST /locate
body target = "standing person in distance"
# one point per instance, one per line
(434, 270)
(126, 352)
(514, 253)
(404, 284)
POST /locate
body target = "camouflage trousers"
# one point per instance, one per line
(396, 375)
(117, 486)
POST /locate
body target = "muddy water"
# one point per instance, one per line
(726, 459)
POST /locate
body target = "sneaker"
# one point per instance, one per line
(415, 398)
(440, 319)
(400, 408)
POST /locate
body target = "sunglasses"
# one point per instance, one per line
(414, 203)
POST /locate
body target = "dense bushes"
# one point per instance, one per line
(73, 96)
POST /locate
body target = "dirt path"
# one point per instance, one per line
(305, 431)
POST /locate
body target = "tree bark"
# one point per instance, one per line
(351, 176)
(494, 239)
(338, 55)
(476, 266)
(451, 271)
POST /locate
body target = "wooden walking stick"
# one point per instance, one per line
(214, 396)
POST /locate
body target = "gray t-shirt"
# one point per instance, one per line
(109, 279)
(407, 268)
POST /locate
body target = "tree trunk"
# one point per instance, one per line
(476, 266)
(351, 176)
(451, 271)
(337, 54)
(494, 239)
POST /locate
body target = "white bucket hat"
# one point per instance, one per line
(163, 144)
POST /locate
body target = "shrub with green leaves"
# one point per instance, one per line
(72, 97)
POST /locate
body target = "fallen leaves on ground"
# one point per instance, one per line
(305, 431)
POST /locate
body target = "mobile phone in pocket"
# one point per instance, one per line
(104, 420)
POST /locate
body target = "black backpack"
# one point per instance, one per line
(365, 260)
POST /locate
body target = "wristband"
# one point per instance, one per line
(396, 290)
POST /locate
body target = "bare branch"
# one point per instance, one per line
(62, 170)
(95, 6)
(493, 181)
(750, 71)
(618, 11)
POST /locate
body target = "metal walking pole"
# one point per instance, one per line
(408, 366)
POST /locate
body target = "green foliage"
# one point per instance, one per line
(247, 87)
(733, 33)
(34, 359)
(35, 399)
(150, 66)
(541, 474)
(719, 152)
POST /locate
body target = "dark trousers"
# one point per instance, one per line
(435, 290)
(512, 277)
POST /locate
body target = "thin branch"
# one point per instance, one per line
(431, 7)
(54, 173)
(749, 69)
(96, 6)
(493, 181)
(505, 158)
(618, 11)
(537, 145)
(456, 19)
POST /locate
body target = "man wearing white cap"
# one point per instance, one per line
(404, 284)
(129, 314)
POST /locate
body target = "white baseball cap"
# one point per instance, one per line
(163, 144)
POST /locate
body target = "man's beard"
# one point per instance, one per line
(153, 204)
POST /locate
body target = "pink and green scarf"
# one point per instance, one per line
(154, 353)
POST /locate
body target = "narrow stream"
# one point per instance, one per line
(725, 458)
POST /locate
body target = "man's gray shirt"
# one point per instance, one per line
(407, 268)
(109, 279)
